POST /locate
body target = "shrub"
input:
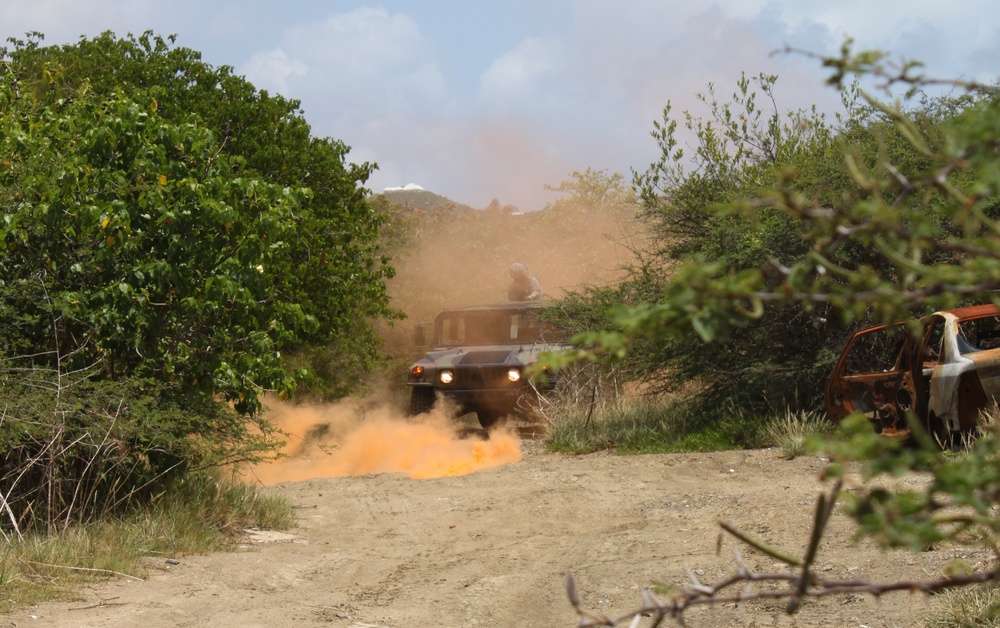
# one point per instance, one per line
(791, 431)
(78, 448)
(198, 513)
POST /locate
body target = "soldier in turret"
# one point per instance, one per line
(523, 285)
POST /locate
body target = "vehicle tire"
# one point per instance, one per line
(491, 419)
(422, 400)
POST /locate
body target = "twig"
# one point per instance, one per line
(593, 399)
(824, 508)
(100, 604)
(326, 608)
(759, 545)
(801, 585)
(87, 569)
(820, 588)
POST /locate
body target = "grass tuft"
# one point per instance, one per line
(790, 432)
(197, 514)
(965, 607)
(634, 424)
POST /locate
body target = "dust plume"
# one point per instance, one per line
(452, 256)
(361, 437)
(444, 257)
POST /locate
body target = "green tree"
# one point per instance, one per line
(909, 227)
(713, 220)
(168, 235)
(185, 221)
(900, 234)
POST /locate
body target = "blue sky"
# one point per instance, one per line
(491, 99)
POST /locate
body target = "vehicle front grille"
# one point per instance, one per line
(482, 377)
(485, 357)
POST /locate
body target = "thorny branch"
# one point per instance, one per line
(882, 68)
(818, 587)
(801, 584)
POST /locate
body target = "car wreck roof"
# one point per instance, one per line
(974, 311)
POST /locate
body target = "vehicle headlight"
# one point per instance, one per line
(514, 375)
(446, 377)
(417, 371)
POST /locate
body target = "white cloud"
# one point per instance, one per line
(551, 86)
(520, 73)
(362, 56)
(370, 75)
(273, 68)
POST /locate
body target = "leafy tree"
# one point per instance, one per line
(168, 235)
(185, 224)
(908, 227)
(703, 231)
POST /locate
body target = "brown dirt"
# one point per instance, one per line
(492, 549)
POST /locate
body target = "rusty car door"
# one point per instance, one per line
(874, 376)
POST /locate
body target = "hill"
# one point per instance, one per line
(416, 197)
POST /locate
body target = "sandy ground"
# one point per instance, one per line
(492, 549)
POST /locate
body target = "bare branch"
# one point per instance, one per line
(86, 569)
(799, 586)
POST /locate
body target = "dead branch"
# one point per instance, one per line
(100, 604)
(801, 584)
(817, 587)
(107, 572)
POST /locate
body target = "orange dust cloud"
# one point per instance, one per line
(358, 437)
(452, 255)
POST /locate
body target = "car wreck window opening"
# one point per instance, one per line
(979, 334)
(963, 345)
(877, 351)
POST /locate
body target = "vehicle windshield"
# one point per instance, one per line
(492, 327)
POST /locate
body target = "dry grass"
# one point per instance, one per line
(591, 410)
(966, 607)
(791, 431)
(198, 514)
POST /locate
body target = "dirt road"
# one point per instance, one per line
(491, 549)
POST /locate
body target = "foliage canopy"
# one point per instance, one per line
(168, 235)
(890, 212)
(773, 221)
(165, 218)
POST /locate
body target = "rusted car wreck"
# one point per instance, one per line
(947, 374)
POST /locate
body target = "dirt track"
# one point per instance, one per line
(492, 548)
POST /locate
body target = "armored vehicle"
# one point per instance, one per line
(477, 357)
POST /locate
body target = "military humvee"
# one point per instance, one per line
(477, 357)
